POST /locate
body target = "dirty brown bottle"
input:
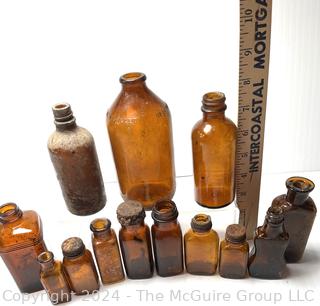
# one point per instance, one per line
(299, 214)
(167, 239)
(234, 252)
(21, 241)
(53, 279)
(270, 242)
(106, 250)
(135, 242)
(79, 266)
(214, 148)
(74, 157)
(140, 132)
(201, 246)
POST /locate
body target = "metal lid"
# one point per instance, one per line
(236, 233)
(73, 247)
(130, 213)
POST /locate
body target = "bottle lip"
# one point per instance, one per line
(132, 77)
(275, 215)
(164, 211)
(300, 184)
(9, 212)
(45, 257)
(201, 223)
(100, 225)
(130, 213)
(213, 101)
(236, 233)
(72, 247)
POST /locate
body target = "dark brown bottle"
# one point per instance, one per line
(299, 214)
(234, 252)
(79, 266)
(74, 157)
(135, 242)
(167, 239)
(214, 148)
(140, 132)
(270, 242)
(201, 246)
(21, 241)
(106, 250)
(53, 279)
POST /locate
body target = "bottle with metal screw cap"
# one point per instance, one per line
(201, 246)
(74, 157)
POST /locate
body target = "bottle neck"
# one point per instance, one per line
(46, 260)
(102, 234)
(273, 230)
(213, 115)
(10, 212)
(133, 81)
(298, 189)
(63, 117)
(166, 225)
(296, 198)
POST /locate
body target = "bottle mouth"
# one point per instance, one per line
(299, 184)
(100, 225)
(164, 211)
(45, 257)
(275, 215)
(132, 77)
(201, 223)
(9, 212)
(213, 102)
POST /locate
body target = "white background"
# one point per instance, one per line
(75, 51)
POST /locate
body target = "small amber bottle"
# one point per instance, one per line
(167, 239)
(201, 246)
(21, 241)
(106, 250)
(299, 214)
(135, 242)
(270, 242)
(214, 148)
(53, 279)
(80, 269)
(234, 252)
(74, 157)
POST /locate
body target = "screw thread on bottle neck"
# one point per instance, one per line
(63, 116)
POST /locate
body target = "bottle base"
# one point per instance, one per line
(214, 207)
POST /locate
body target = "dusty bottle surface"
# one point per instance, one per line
(53, 278)
(21, 241)
(140, 132)
(270, 242)
(299, 214)
(167, 239)
(135, 242)
(214, 148)
(106, 250)
(79, 266)
(201, 246)
(74, 157)
(234, 252)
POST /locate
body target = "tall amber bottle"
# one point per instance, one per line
(21, 241)
(299, 214)
(201, 246)
(74, 157)
(214, 148)
(139, 126)
(167, 239)
(106, 250)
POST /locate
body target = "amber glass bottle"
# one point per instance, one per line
(80, 269)
(106, 250)
(135, 242)
(139, 126)
(270, 242)
(299, 214)
(53, 279)
(21, 241)
(201, 246)
(214, 148)
(234, 252)
(74, 157)
(167, 239)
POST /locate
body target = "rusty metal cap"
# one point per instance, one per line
(130, 213)
(236, 233)
(72, 247)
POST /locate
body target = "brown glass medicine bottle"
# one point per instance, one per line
(299, 213)
(21, 241)
(79, 266)
(140, 132)
(53, 279)
(106, 250)
(234, 252)
(74, 157)
(167, 239)
(135, 242)
(214, 149)
(201, 246)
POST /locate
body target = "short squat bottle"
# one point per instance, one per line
(167, 239)
(140, 132)
(234, 253)
(214, 149)
(79, 266)
(201, 246)
(135, 242)
(106, 250)
(21, 241)
(74, 157)
(299, 213)
(53, 278)
(270, 242)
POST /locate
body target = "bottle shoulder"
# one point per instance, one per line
(191, 235)
(281, 201)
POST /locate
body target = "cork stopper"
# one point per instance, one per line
(130, 213)
(213, 102)
(236, 233)
(164, 211)
(72, 247)
(201, 223)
